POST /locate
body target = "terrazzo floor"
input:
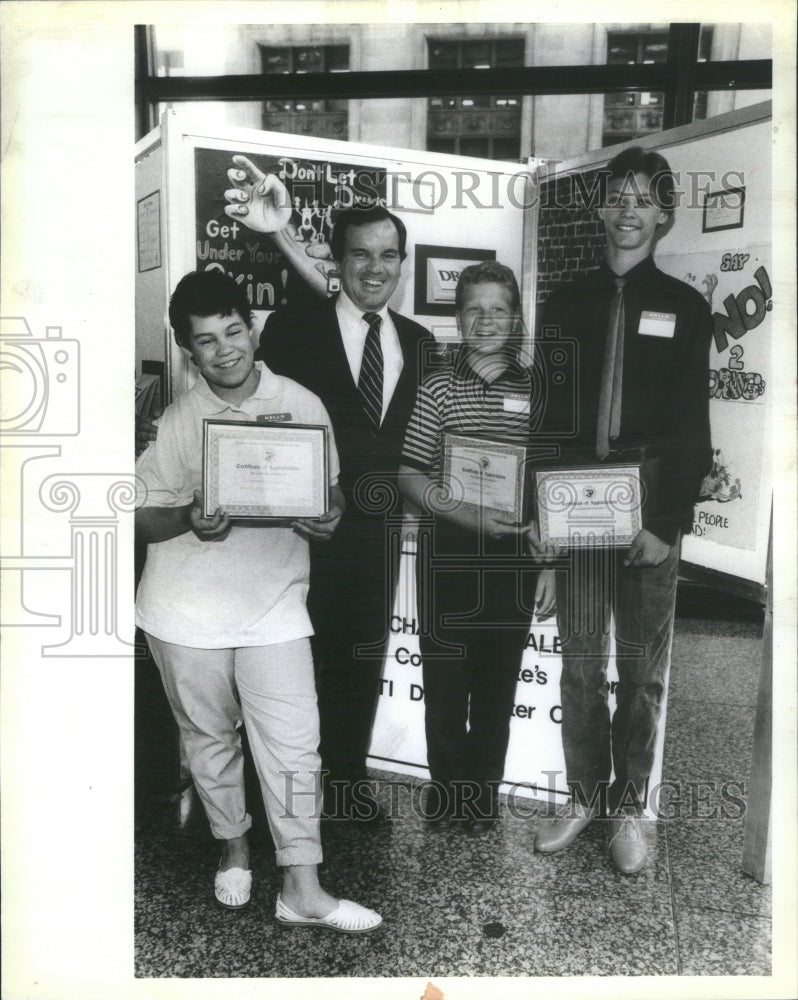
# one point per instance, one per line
(460, 906)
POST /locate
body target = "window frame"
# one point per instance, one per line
(328, 121)
(461, 119)
(678, 78)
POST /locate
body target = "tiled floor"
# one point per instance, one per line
(457, 906)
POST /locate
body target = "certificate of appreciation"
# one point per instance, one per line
(599, 505)
(258, 470)
(485, 474)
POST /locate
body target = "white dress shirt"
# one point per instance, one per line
(353, 333)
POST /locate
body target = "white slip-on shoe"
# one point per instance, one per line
(347, 917)
(232, 888)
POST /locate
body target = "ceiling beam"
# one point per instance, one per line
(750, 74)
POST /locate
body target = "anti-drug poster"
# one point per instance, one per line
(737, 283)
(738, 287)
(309, 195)
(721, 244)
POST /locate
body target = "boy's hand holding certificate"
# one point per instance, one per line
(214, 528)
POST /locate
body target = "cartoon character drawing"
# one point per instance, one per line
(718, 483)
(709, 281)
(326, 217)
(306, 222)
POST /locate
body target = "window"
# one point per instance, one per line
(475, 125)
(701, 97)
(327, 119)
(633, 113)
(732, 68)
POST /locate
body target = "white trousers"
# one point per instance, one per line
(272, 689)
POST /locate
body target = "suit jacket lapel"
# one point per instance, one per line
(408, 379)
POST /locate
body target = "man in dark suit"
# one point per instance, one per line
(322, 346)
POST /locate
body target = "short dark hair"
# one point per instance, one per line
(482, 273)
(205, 293)
(636, 160)
(352, 217)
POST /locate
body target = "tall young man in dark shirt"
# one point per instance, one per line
(642, 396)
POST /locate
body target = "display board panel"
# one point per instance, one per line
(150, 250)
(721, 243)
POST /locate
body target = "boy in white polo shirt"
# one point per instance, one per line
(223, 608)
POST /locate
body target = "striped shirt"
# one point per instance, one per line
(457, 400)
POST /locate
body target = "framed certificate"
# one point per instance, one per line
(264, 471)
(596, 505)
(485, 474)
(723, 210)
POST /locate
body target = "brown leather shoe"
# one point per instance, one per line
(555, 834)
(627, 843)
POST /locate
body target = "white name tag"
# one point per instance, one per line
(273, 418)
(516, 403)
(654, 324)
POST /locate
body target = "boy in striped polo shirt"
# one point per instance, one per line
(475, 607)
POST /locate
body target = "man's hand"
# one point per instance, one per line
(545, 595)
(497, 526)
(259, 200)
(646, 550)
(262, 203)
(542, 552)
(208, 529)
(321, 529)
(146, 431)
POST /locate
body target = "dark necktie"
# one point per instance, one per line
(369, 383)
(609, 412)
